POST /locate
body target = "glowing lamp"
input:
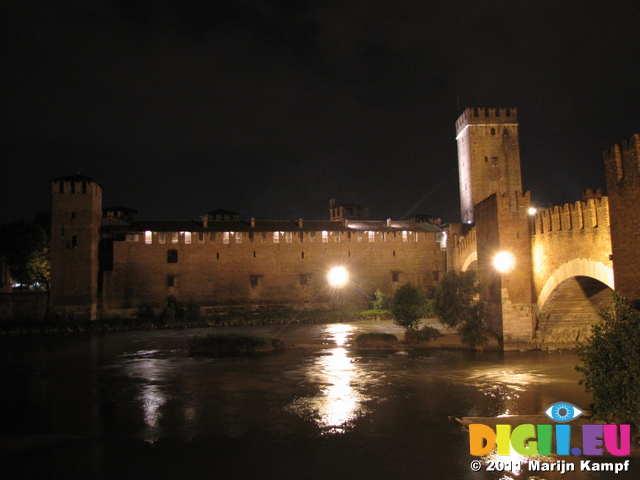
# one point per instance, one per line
(338, 277)
(532, 210)
(504, 262)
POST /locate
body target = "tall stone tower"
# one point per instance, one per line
(488, 156)
(622, 167)
(75, 228)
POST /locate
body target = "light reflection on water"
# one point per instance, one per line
(335, 407)
(325, 412)
(150, 373)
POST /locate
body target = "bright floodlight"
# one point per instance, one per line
(532, 210)
(338, 277)
(504, 262)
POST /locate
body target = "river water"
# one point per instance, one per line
(135, 406)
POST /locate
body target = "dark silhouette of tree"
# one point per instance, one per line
(611, 365)
(456, 303)
(26, 252)
(408, 305)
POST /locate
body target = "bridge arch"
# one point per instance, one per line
(578, 267)
(469, 261)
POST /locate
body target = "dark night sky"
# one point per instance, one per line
(271, 108)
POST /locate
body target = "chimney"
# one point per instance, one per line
(253, 222)
(299, 223)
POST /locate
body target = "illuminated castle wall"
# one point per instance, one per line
(220, 262)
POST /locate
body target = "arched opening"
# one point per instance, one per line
(471, 262)
(570, 310)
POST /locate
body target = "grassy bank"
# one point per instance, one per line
(147, 322)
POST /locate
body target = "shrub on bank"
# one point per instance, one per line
(421, 336)
(376, 340)
(233, 344)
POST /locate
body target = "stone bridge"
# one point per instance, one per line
(569, 271)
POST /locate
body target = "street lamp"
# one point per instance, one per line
(504, 262)
(338, 277)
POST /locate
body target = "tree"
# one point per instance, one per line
(408, 305)
(25, 249)
(457, 305)
(382, 300)
(611, 364)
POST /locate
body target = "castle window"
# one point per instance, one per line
(172, 256)
(238, 237)
(505, 132)
(359, 237)
(263, 237)
(174, 237)
(84, 187)
(200, 237)
(73, 215)
(312, 237)
(338, 237)
(301, 237)
(276, 237)
(162, 237)
(372, 236)
(251, 237)
(225, 238)
(486, 159)
(74, 241)
(148, 237)
(384, 236)
(395, 276)
(289, 237)
(493, 131)
(405, 236)
(325, 236)
(255, 280)
(171, 281)
(305, 279)
(187, 238)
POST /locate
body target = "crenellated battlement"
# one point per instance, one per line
(480, 116)
(622, 161)
(580, 215)
(466, 244)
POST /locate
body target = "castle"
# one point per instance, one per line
(107, 263)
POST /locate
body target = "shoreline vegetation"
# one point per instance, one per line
(57, 326)
(66, 326)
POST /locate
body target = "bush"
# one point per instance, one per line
(376, 340)
(382, 300)
(409, 304)
(456, 304)
(423, 335)
(611, 365)
(193, 311)
(233, 344)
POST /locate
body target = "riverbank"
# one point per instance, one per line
(107, 325)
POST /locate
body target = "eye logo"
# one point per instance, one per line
(563, 412)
